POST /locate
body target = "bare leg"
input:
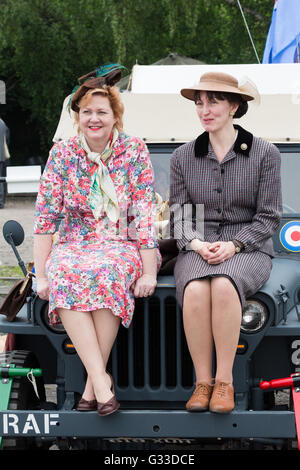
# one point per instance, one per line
(81, 330)
(198, 328)
(226, 321)
(107, 326)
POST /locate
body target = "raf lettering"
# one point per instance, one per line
(13, 425)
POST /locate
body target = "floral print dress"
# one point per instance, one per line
(93, 264)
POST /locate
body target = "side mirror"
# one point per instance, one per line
(13, 232)
(14, 235)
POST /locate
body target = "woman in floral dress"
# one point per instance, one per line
(105, 253)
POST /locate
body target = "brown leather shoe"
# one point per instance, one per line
(222, 400)
(91, 405)
(108, 407)
(111, 405)
(200, 399)
(87, 405)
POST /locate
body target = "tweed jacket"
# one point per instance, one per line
(241, 195)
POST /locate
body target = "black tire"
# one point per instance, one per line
(22, 395)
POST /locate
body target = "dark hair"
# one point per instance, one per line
(232, 98)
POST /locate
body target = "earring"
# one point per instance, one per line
(231, 113)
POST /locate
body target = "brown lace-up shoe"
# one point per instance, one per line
(200, 399)
(222, 400)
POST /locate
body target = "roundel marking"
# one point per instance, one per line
(289, 236)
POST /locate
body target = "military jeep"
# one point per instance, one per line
(150, 361)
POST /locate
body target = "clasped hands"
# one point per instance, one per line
(213, 253)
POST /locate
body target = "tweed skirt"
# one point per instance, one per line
(248, 272)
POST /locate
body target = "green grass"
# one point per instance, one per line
(11, 271)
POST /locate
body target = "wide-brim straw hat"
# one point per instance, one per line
(220, 82)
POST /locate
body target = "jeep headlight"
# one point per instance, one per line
(254, 317)
(44, 316)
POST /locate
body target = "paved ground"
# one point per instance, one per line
(21, 209)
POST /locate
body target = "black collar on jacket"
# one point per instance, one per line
(242, 144)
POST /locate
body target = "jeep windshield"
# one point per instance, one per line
(290, 172)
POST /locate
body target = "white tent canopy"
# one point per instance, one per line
(268, 78)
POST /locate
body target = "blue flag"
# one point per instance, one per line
(283, 41)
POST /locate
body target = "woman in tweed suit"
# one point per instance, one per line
(236, 178)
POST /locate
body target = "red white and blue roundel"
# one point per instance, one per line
(289, 236)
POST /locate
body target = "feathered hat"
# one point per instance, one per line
(108, 75)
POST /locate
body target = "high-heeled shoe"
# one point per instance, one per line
(108, 407)
(86, 405)
(111, 405)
